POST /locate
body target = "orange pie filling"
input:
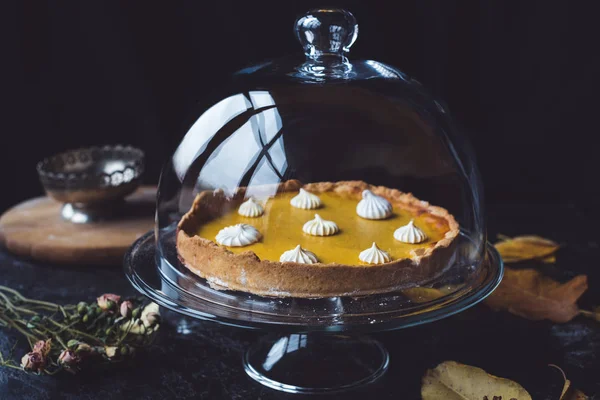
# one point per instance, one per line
(281, 228)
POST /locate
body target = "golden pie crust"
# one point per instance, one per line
(246, 272)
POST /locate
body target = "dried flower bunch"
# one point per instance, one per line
(71, 337)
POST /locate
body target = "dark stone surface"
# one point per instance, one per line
(199, 360)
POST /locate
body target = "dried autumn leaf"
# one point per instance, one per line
(530, 294)
(454, 381)
(594, 314)
(574, 394)
(569, 392)
(549, 260)
(529, 247)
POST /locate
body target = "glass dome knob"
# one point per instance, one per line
(326, 32)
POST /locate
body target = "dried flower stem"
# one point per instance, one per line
(14, 325)
(52, 306)
(75, 331)
(12, 307)
(9, 363)
(58, 334)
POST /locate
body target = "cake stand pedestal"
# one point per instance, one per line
(311, 346)
(315, 362)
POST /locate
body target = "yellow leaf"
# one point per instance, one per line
(576, 395)
(529, 247)
(595, 315)
(529, 294)
(549, 260)
(454, 381)
(569, 392)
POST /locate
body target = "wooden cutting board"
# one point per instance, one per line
(35, 229)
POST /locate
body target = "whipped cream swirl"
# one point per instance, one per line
(374, 255)
(410, 234)
(373, 207)
(238, 235)
(305, 200)
(320, 227)
(251, 209)
(298, 255)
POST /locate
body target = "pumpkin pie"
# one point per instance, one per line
(315, 240)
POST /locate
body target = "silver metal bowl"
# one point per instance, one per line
(92, 181)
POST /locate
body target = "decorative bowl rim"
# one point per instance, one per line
(134, 162)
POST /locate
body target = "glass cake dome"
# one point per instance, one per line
(335, 127)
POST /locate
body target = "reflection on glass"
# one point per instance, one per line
(283, 346)
(278, 159)
(254, 152)
(384, 70)
(263, 175)
(252, 155)
(231, 160)
(194, 142)
(261, 98)
(275, 354)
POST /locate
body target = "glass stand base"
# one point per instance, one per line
(316, 362)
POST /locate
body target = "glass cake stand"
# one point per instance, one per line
(312, 345)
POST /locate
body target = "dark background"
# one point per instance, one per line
(520, 77)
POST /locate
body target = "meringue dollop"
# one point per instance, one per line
(251, 209)
(320, 227)
(305, 200)
(238, 235)
(374, 255)
(298, 255)
(373, 207)
(410, 234)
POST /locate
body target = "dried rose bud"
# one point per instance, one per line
(134, 326)
(69, 360)
(43, 347)
(83, 348)
(126, 309)
(33, 361)
(150, 315)
(152, 319)
(67, 357)
(108, 301)
(82, 307)
(136, 312)
(80, 348)
(111, 351)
